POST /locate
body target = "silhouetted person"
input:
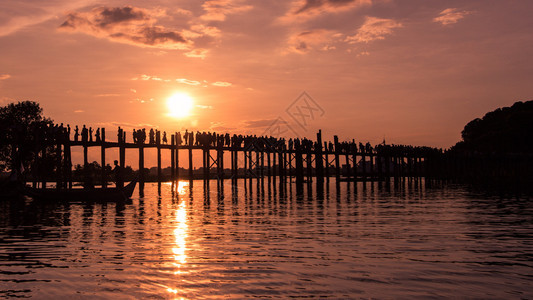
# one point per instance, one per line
(97, 135)
(119, 176)
(119, 134)
(90, 134)
(76, 133)
(164, 137)
(151, 136)
(135, 136)
(84, 134)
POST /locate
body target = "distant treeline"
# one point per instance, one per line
(496, 149)
(504, 130)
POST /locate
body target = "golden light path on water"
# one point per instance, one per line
(180, 232)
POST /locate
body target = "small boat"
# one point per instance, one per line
(86, 195)
(10, 189)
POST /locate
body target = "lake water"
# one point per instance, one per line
(252, 240)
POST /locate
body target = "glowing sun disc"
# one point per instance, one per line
(179, 105)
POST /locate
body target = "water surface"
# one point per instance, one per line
(267, 240)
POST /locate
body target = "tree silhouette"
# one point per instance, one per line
(20, 139)
(504, 130)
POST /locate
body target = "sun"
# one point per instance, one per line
(179, 105)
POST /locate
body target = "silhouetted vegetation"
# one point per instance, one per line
(496, 150)
(20, 139)
(504, 130)
(94, 170)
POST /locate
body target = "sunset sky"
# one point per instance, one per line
(412, 72)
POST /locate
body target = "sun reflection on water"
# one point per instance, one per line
(179, 247)
(180, 235)
(182, 187)
(181, 230)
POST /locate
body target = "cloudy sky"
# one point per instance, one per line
(410, 71)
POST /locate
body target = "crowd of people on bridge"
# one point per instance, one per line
(236, 141)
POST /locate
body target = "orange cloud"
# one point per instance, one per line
(450, 16)
(130, 25)
(373, 29)
(306, 41)
(187, 81)
(221, 83)
(198, 53)
(303, 10)
(217, 10)
(204, 83)
(4, 76)
(16, 15)
(258, 123)
(108, 95)
(199, 30)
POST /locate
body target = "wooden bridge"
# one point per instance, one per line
(255, 159)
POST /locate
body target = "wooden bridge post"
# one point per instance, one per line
(402, 166)
(190, 162)
(250, 163)
(122, 152)
(319, 162)
(363, 161)
(172, 157)
(158, 145)
(59, 164)
(232, 160)
(309, 166)
(371, 157)
(299, 165)
(275, 170)
(396, 169)
(141, 168)
(379, 163)
(102, 158)
(281, 163)
(337, 163)
(206, 163)
(220, 160)
(348, 166)
(290, 153)
(262, 165)
(269, 166)
(387, 164)
(286, 161)
(68, 163)
(236, 162)
(258, 172)
(415, 166)
(353, 149)
(407, 165)
(326, 158)
(176, 151)
(245, 167)
(420, 172)
(85, 163)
